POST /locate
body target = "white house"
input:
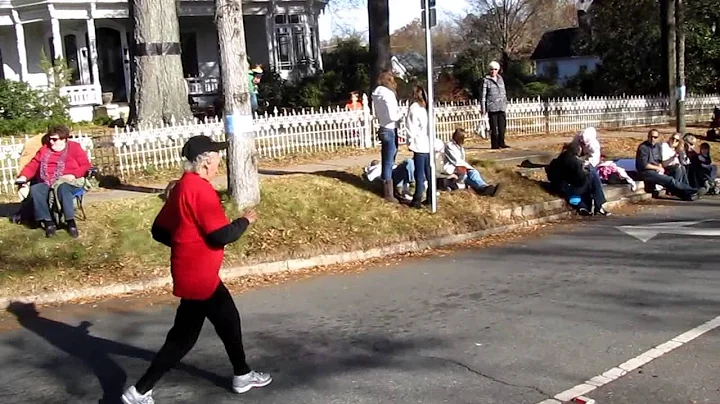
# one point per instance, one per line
(94, 38)
(559, 54)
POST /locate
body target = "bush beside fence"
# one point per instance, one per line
(131, 151)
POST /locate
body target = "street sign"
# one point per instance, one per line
(433, 18)
(648, 232)
(422, 4)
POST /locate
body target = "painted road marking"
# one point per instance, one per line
(648, 232)
(632, 364)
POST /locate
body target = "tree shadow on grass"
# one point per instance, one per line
(93, 351)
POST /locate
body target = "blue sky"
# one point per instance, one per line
(401, 13)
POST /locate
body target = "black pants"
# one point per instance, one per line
(221, 311)
(497, 129)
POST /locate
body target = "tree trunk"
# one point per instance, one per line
(379, 24)
(680, 65)
(243, 179)
(159, 90)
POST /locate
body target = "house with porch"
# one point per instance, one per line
(94, 38)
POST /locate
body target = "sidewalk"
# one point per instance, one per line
(520, 150)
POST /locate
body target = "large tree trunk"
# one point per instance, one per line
(243, 179)
(379, 22)
(159, 91)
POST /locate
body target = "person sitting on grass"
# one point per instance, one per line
(705, 170)
(454, 163)
(403, 175)
(672, 153)
(648, 164)
(60, 167)
(569, 177)
(714, 133)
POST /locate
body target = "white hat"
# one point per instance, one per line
(494, 65)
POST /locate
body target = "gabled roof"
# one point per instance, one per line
(411, 61)
(559, 44)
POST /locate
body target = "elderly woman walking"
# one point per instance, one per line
(493, 101)
(193, 224)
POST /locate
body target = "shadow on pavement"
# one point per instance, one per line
(93, 351)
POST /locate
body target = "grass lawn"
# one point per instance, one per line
(300, 216)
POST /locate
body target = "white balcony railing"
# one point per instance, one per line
(202, 85)
(82, 95)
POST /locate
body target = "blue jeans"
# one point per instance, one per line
(474, 180)
(40, 195)
(404, 173)
(591, 193)
(675, 187)
(422, 174)
(388, 151)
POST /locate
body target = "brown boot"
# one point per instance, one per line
(389, 191)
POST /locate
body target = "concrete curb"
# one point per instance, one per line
(530, 215)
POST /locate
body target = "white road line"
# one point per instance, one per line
(634, 363)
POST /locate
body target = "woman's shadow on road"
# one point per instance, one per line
(93, 351)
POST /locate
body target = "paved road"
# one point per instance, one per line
(512, 324)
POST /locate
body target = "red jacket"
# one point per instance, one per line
(76, 162)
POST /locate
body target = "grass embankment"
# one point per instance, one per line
(300, 216)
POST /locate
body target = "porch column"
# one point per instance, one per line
(92, 47)
(20, 43)
(270, 34)
(318, 46)
(57, 38)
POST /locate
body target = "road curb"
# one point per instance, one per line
(529, 215)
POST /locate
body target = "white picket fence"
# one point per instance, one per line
(281, 134)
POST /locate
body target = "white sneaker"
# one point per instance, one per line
(244, 383)
(131, 396)
(633, 186)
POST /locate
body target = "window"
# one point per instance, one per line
(281, 19)
(189, 54)
(299, 43)
(294, 19)
(284, 40)
(71, 58)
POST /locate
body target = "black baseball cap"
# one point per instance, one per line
(198, 145)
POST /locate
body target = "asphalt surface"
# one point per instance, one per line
(511, 324)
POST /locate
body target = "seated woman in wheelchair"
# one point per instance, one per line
(58, 169)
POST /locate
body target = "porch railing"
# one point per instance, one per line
(82, 95)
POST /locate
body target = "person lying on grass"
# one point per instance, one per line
(455, 164)
(570, 178)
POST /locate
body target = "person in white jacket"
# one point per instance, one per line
(387, 111)
(454, 163)
(590, 146)
(418, 140)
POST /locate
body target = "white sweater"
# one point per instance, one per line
(417, 126)
(385, 106)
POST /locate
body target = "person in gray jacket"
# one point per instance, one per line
(493, 101)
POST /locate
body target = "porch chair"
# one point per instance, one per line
(78, 196)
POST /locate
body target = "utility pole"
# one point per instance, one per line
(243, 178)
(429, 20)
(669, 22)
(680, 68)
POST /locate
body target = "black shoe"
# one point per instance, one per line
(702, 191)
(73, 231)
(50, 230)
(504, 146)
(416, 205)
(602, 212)
(584, 212)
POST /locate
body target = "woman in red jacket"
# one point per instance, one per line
(193, 224)
(58, 164)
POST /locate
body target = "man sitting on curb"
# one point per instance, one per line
(648, 163)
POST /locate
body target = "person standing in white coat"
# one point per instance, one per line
(387, 112)
(419, 143)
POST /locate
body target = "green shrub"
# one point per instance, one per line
(24, 110)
